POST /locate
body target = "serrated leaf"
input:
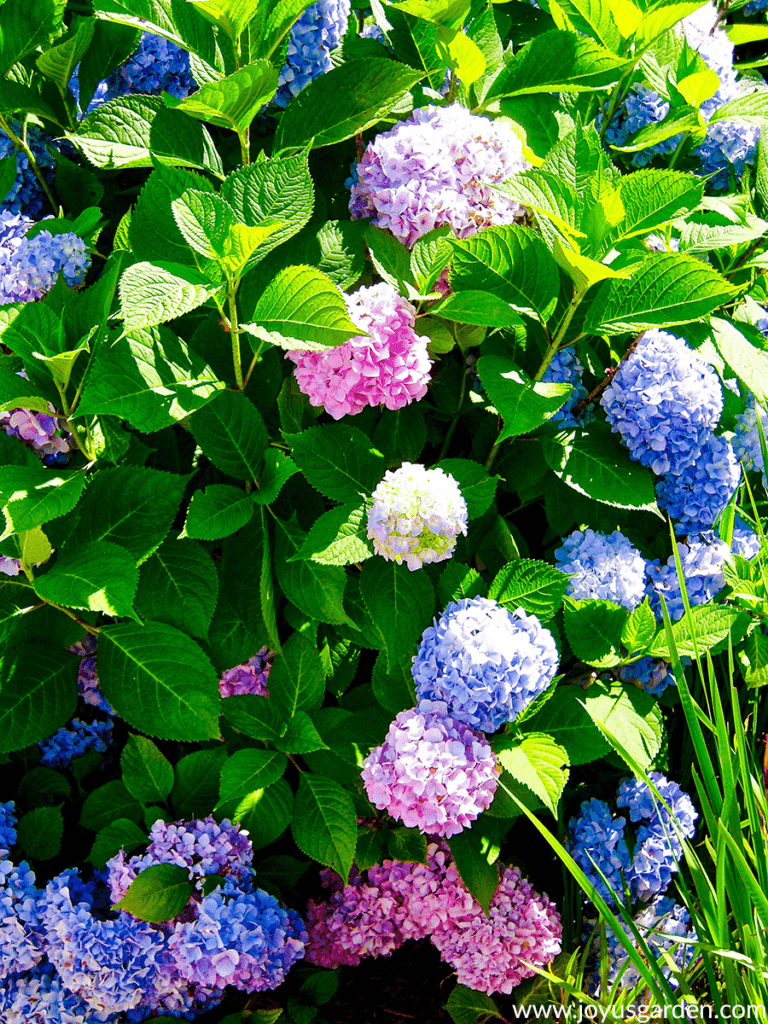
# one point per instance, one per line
(158, 893)
(536, 587)
(40, 832)
(218, 511)
(594, 629)
(233, 16)
(153, 293)
(255, 716)
(234, 101)
(232, 434)
(301, 737)
(159, 681)
(306, 307)
(265, 814)
(711, 624)
(477, 486)
(27, 24)
(278, 467)
(249, 770)
(524, 404)
(407, 844)
(753, 657)
(745, 357)
(465, 1006)
(538, 762)
(546, 195)
(178, 585)
(147, 773)
(37, 694)
(338, 537)
(318, 590)
(479, 875)
(35, 498)
(457, 581)
(338, 460)
(325, 823)
(393, 686)
(121, 834)
(630, 715)
(640, 627)
(196, 782)
(652, 198)
(100, 577)
(107, 803)
(59, 62)
(297, 678)
(400, 602)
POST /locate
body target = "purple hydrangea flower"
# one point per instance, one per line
(653, 675)
(59, 750)
(39, 430)
(437, 168)
(87, 679)
(8, 822)
(664, 402)
(697, 495)
(21, 945)
(416, 516)
(596, 840)
(702, 562)
(251, 677)
(566, 368)
(10, 566)
(604, 566)
(431, 772)
(485, 662)
(29, 267)
(26, 195)
(318, 31)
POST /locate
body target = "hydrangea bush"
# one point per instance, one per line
(384, 408)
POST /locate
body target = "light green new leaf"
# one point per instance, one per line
(234, 101)
(536, 587)
(304, 305)
(59, 62)
(538, 762)
(153, 293)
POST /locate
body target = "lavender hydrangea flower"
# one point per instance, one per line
(21, 945)
(746, 439)
(87, 679)
(9, 566)
(431, 772)
(485, 662)
(26, 195)
(702, 562)
(596, 841)
(251, 677)
(416, 516)
(41, 431)
(29, 267)
(604, 566)
(59, 750)
(318, 31)
(697, 495)
(566, 368)
(437, 168)
(8, 822)
(653, 675)
(390, 367)
(664, 402)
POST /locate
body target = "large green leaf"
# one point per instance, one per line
(218, 511)
(547, 196)
(318, 590)
(325, 823)
(745, 357)
(232, 434)
(255, 716)
(178, 585)
(248, 770)
(536, 587)
(478, 873)
(297, 677)
(158, 893)
(59, 62)
(25, 25)
(153, 293)
(159, 681)
(120, 834)
(176, 20)
(536, 761)
(652, 198)
(265, 814)
(40, 832)
(401, 604)
(234, 101)
(196, 782)
(153, 231)
(271, 21)
(595, 18)
(38, 498)
(107, 803)
(338, 537)
(632, 716)
(524, 404)
(594, 629)
(305, 309)
(711, 624)
(342, 102)
(38, 693)
(147, 773)
(112, 44)
(232, 16)
(338, 460)
(100, 577)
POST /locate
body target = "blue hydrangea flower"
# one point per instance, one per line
(755, 6)
(746, 439)
(651, 674)
(641, 108)
(26, 195)
(697, 495)
(59, 750)
(702, 561)
(245, 939)
(29, 267)
(745, 541)
(596, 840)
(8, 822)
(485, 662)
(606, 566)
(664, 402)
(728, 146)
(566, 368)
(313, 36)
(40, 997)
(21, 945)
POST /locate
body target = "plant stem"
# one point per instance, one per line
(599, 388)
(245, 146)
(455, 417)
(234, 329)
(453, 88)
(70, 426)
(93, 630)
(492, 456)
(24, 147)
(555, 343)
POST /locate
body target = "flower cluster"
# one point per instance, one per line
(375, 914)
(250, 677)
(745, 541)
(20, 939)
(485, 662)
(312, 37)
(416, 516)
(390, 367)
(29, 267)
(596, 840)
(746, 439)
(653, 675)
(59, 750)
(40, 997)
(438, 168)
(87, 679)
(604, 566)
(8, 822)
(26, 194)
(431, 772)
(702, 561)
(696, 496)
(41, 431)
(664, 402)
(566, 368)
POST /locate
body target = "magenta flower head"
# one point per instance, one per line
(416, 516)
(438, 168)
(390, 367)
(431, 772)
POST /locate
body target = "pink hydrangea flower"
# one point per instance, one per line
(389, 368)
(431, 772)
(438, 168)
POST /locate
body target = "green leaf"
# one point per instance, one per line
(40, 832)
(147, 774)
(159, 681)
(558, 61)
(153, 232)
(106, 804)
(121, 834)
(131, 506)
(218, 511)
(593, 17)
(150, 378)
(430, 255)
(297, 677)
(318, 590)
(178, 585)
(38, 694)
(407, 844)
(370, 848)
(510, 262)
(338, 460)
(342, 102)
(751, 108)
(478, 308)
(664, 290)
(549, 197)
(632, 716)
(324, 823)
(111, 46)
(594, 630)
(457, 581)
(565, 720)
(536, 587)
(196, 783)
(304, 307)
(59, 62)
(232, 434)
(158, 893)
(652, 198)
(594, 463)
(338, 537)
(477, 486)
(233, 16)
(153, 293)
(255, 716)
(37, 498)
(301, 737)
(15, 392)
(26, 25)
(401, 604)
(265, 813)
(740, 347)
(686, 119)
(536, 761)
(479, 875)
(639, 628)
(711, 624)
(133, 131)
(100, 577)
(524, 404)
(753, 657)
(465, 1006)
(278, 467)
(234, 101)
(249, 770)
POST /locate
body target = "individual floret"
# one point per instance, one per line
(697, 495)
(438, 168)
(664, 402)
(26, 195)
(318, 31)
(59, 750)
(431, 772)
(566, 368)
(416, 516)
(250, 677)
(604, 566)
(596, 842)
(29, 267)
(485, 662)
(702, 560)
(389, 367)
